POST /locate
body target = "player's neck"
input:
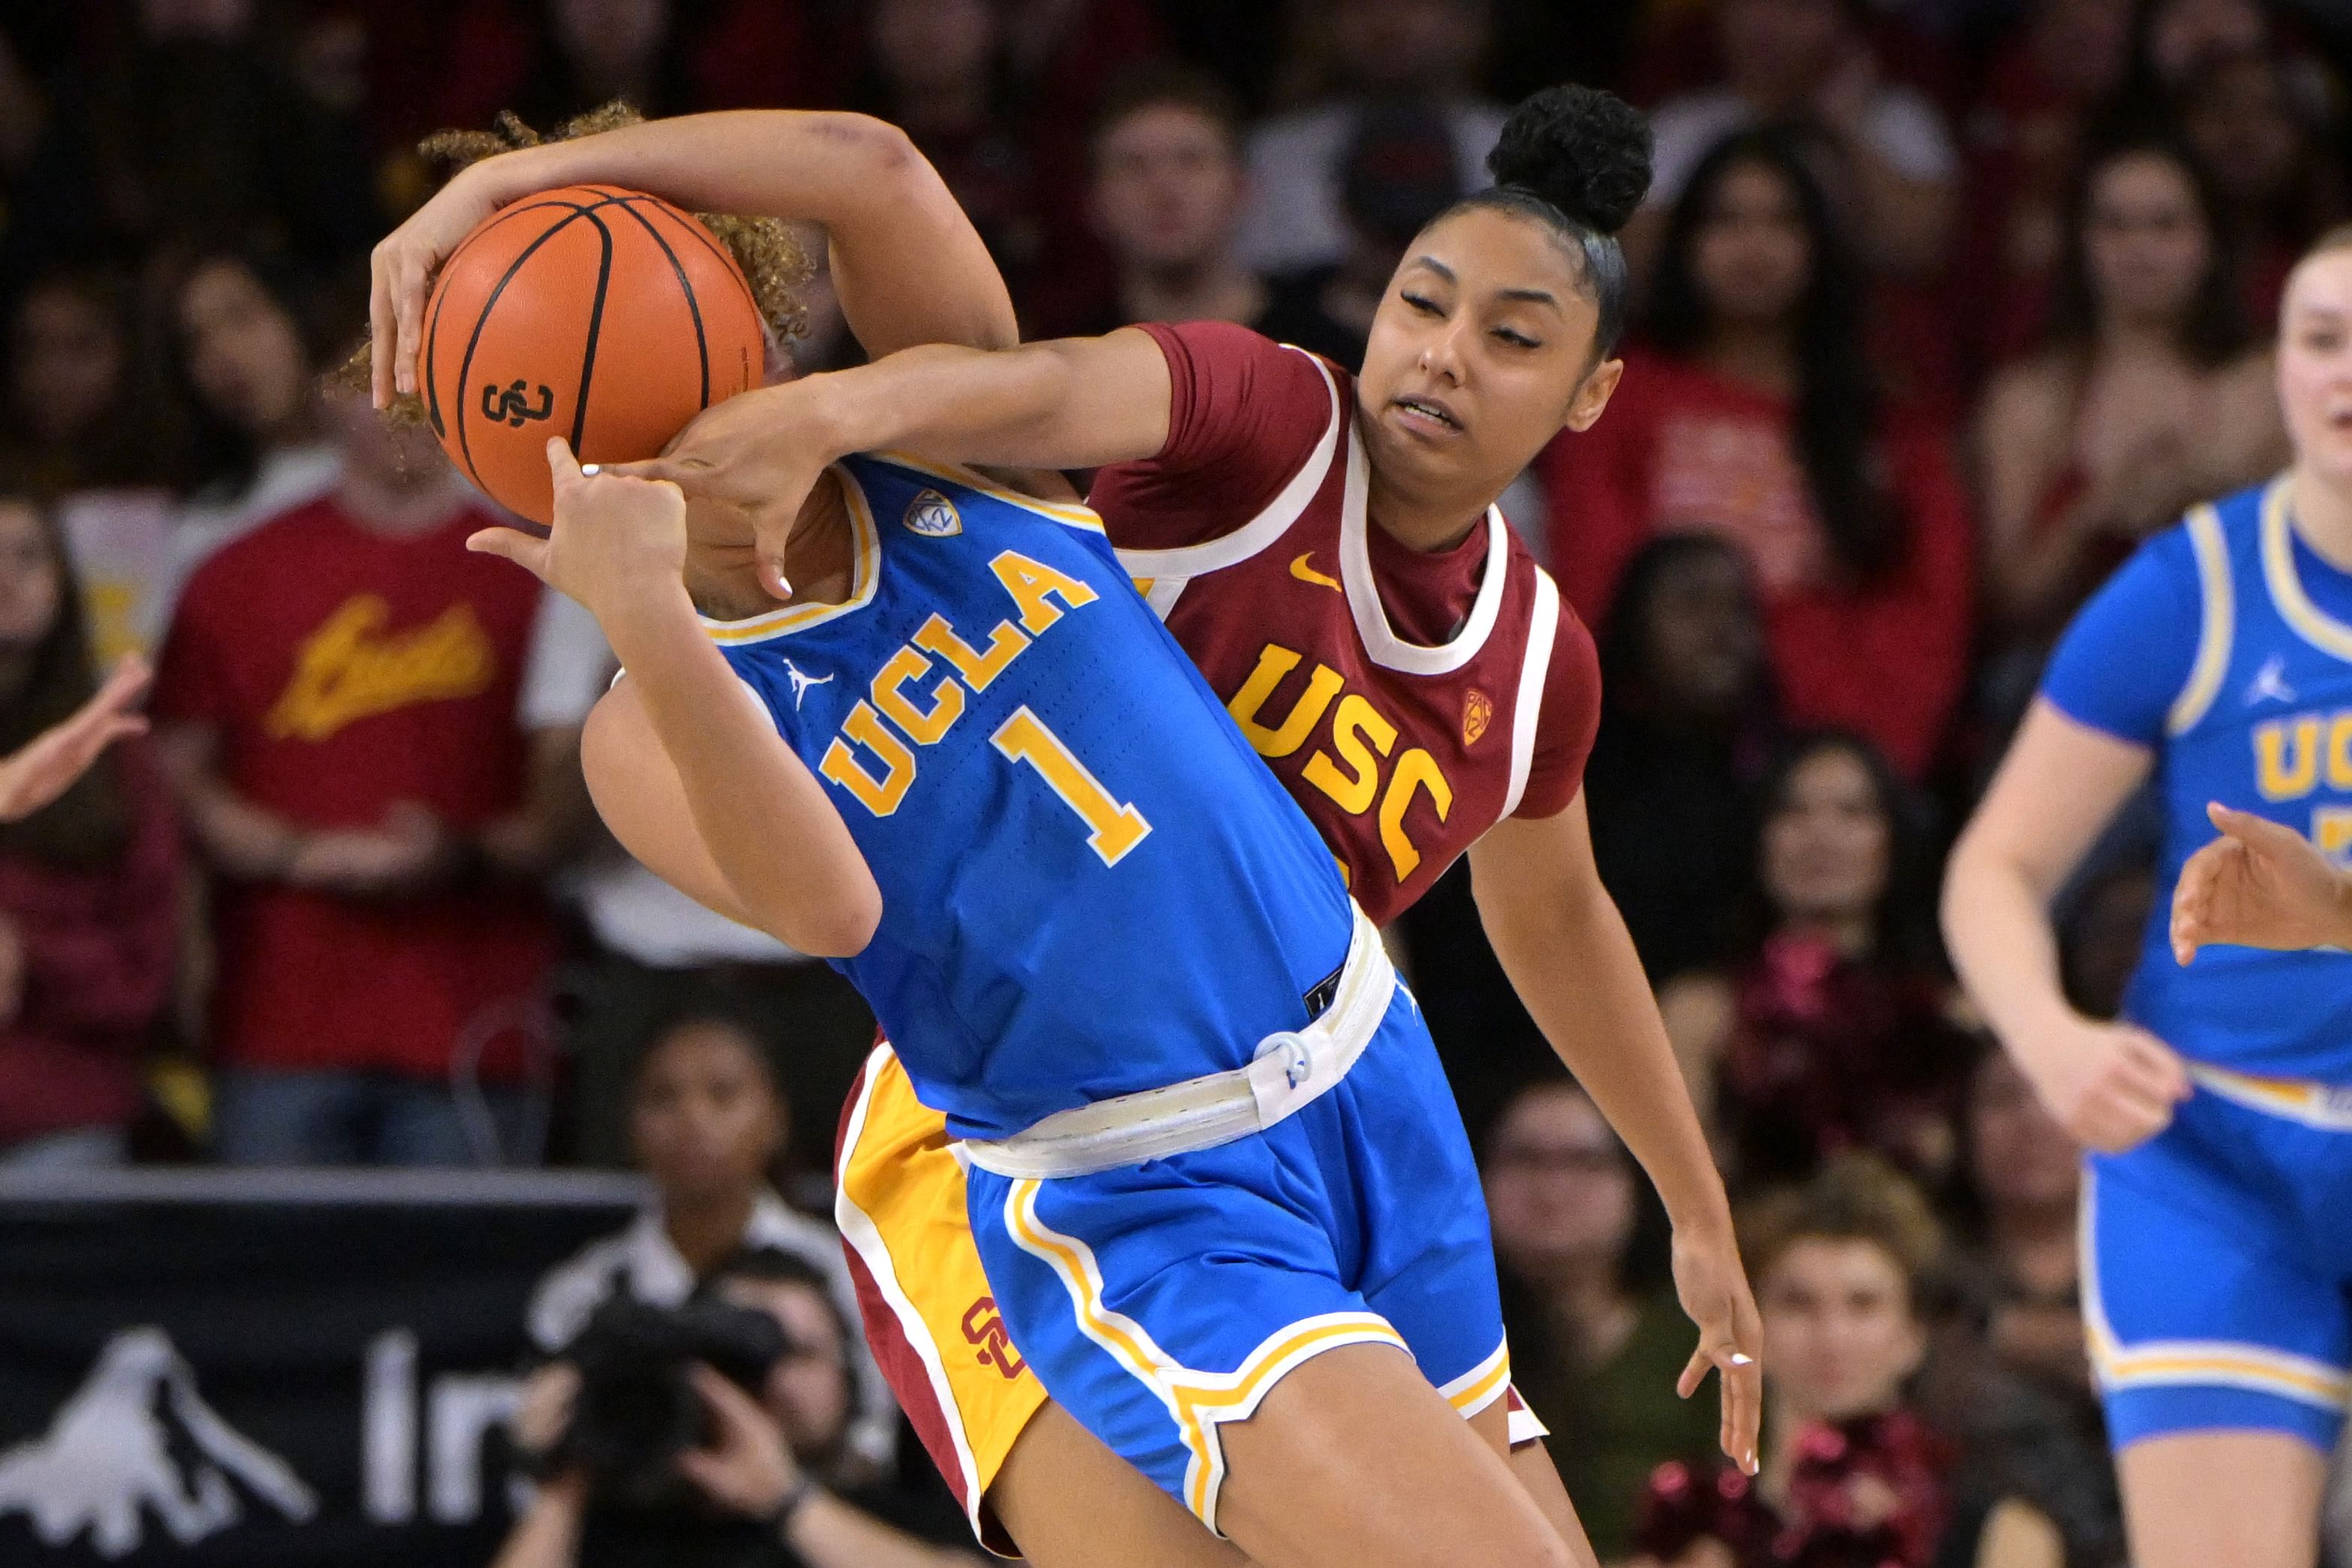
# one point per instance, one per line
(820, 555)
(400, 509)
(2323, 516)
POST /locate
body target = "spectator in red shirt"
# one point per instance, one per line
(90, 881)
(1756, 416)
(339, 696)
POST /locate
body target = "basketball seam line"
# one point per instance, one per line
(595, 330)
(693, 307)
(466, 366)
(433, 331)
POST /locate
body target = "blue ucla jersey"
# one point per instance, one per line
(1090, 884)
(2226, 645)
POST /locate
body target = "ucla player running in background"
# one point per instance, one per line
(1218, 1182)
(2218, 1212)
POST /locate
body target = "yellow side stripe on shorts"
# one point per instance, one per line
(2195, 1361)
(1197, 1401)
(1475, 1389)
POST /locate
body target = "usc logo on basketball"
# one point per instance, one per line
(352, 668)
(983, 1326)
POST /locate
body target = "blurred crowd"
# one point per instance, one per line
(1943, 305)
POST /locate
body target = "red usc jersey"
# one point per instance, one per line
(1409, 701)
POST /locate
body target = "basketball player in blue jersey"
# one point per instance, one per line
(1220, 1192)
(2218, 1206)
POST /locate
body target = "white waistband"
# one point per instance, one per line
(1290, 1072)
(2326, 1106)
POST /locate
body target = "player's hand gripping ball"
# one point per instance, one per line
(604, 315)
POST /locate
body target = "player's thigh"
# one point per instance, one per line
(1072, 1503)
(2250, 1499)
(1353, 1459)
(1531, 1463)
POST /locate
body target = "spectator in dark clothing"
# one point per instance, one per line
(1166, 195)
(201, 135)
(1399, 172)
(1830, 1026)
(2270, 129)
(1686, 731)
(1597, 1337)
(90, 885)
(83, 414)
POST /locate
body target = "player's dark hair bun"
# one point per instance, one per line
(1584, 151)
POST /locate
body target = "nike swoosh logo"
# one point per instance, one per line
(1306, 573)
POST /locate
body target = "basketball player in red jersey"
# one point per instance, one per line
(1328, 553)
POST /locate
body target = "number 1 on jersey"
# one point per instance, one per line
(1113, 827)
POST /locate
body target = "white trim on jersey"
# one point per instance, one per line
(2218, 629)
(2313, 625)
(1534, 670)
(1380, 641)
(1190, 561)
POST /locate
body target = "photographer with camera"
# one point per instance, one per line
(714, 1435)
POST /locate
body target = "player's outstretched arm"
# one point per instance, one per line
(906, 263)
(2259, 885)
(1565, 947)
(2112, 1086)
(1067, 403)
(768, 836)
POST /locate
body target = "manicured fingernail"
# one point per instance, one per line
(590, 470)
(1738, 1359)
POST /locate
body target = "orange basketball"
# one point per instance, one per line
(604, 316)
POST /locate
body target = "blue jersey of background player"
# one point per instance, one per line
(2225, 647)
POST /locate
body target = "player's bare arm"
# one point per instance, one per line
(2260, 884)
(618, 546)
(1067, 403)
(1564, 946)
(2112, 1085)
(907, 264)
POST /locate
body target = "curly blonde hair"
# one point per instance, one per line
(774, 261)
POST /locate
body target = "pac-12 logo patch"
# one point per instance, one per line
(933, 516)
(1477, 712)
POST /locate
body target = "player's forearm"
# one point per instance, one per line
(1996, 928)
(771, 830)
(1072, 402)
(906, 263)
(1567, 952)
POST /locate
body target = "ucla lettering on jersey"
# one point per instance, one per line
(2263, 724)
(1090, 885)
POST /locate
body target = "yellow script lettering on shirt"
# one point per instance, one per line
(351, 668)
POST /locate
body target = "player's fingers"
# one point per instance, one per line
(665, 469)
(1693, 1373)
(514, 545)
(2159, 1066)
(769, 536)
(380, 336)
(2259, 833)
(561, 465)
(408, 318)
(1743, 1407)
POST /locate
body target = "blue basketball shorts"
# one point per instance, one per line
(2217, 1269)
(1159, 1302)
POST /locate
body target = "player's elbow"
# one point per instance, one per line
(884, 153)
(840, 927)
